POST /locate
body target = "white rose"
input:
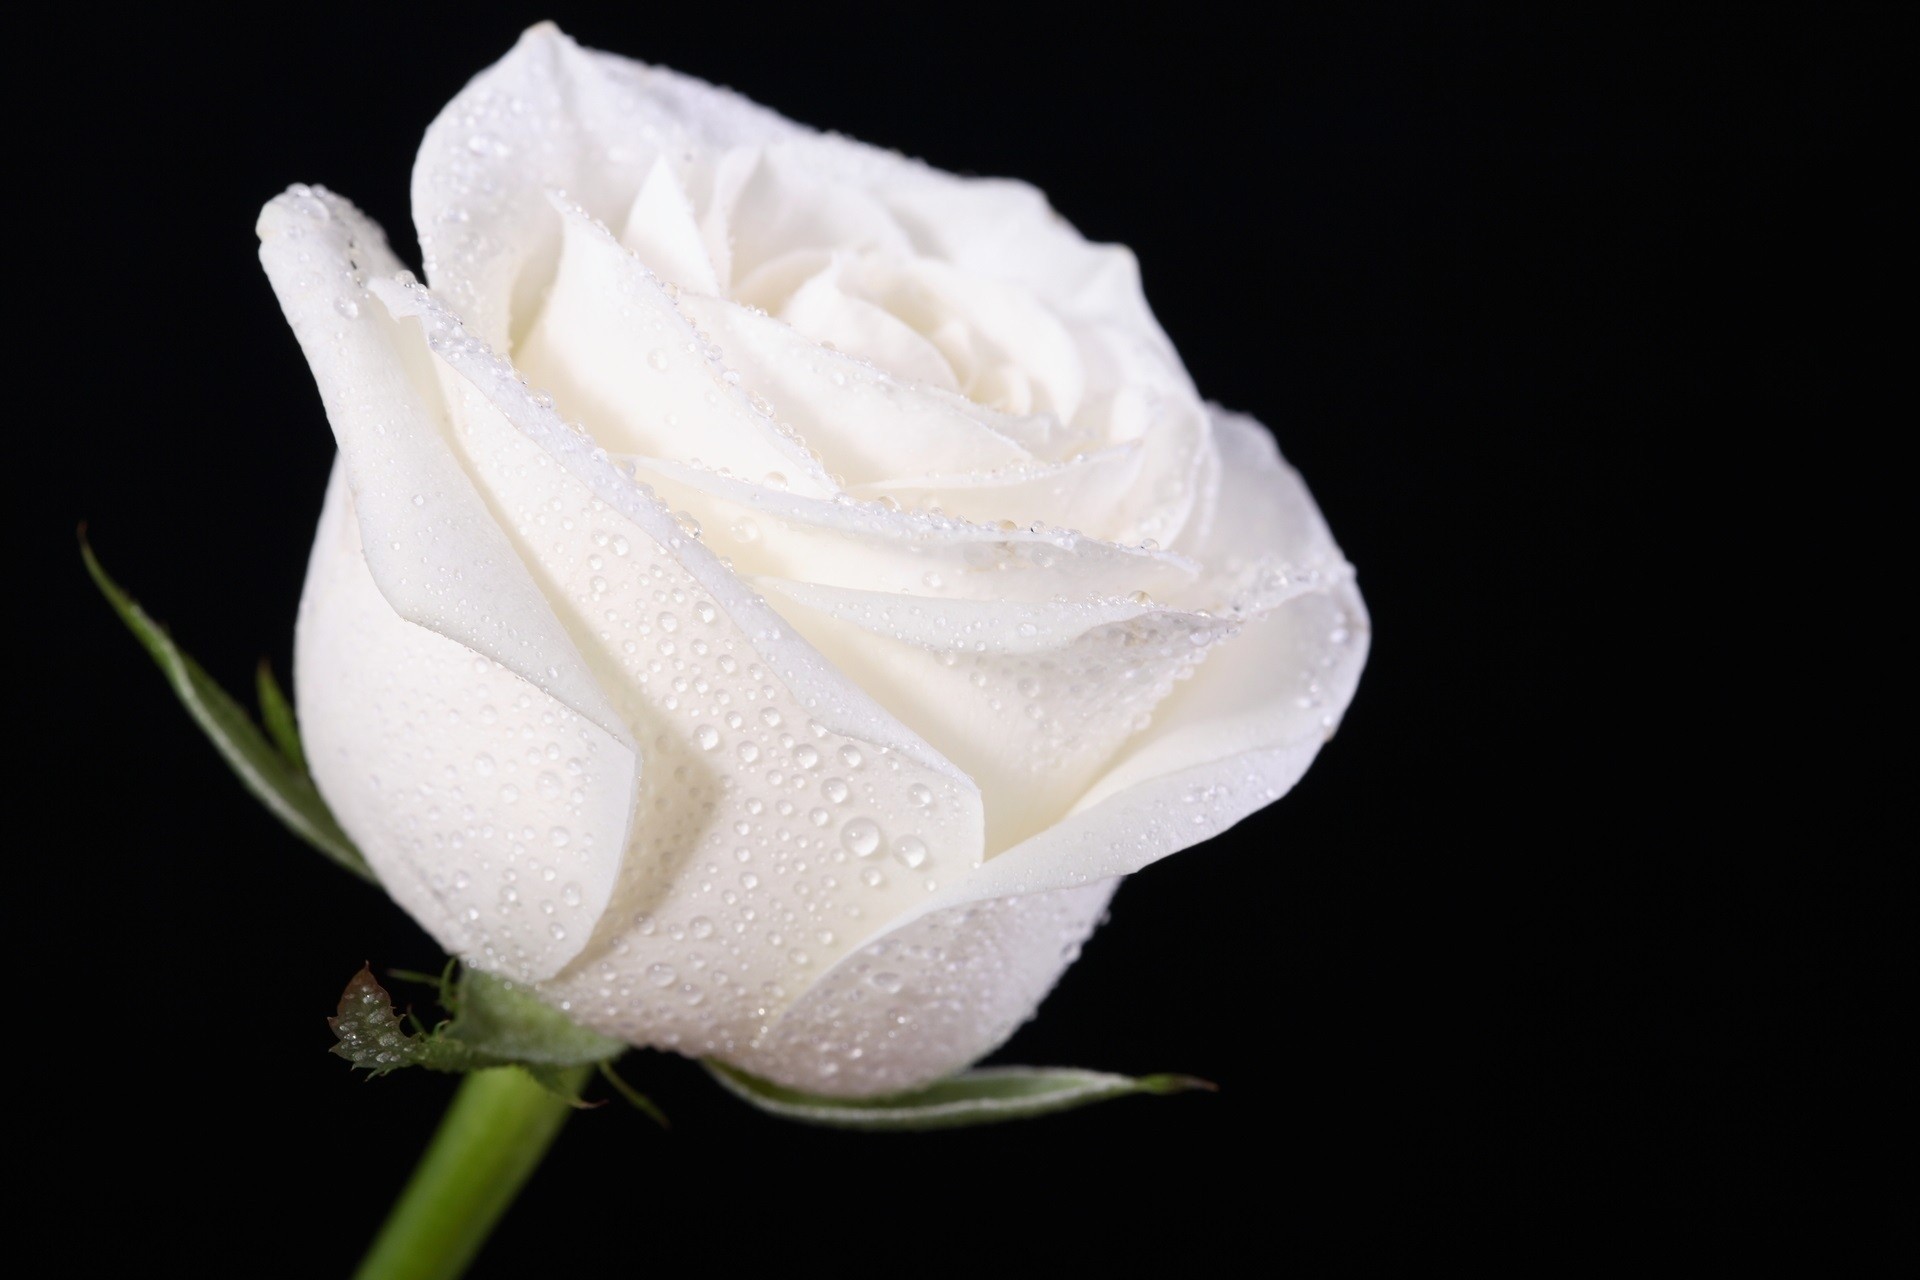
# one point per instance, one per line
(771, 590)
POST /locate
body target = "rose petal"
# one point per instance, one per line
(492, 812)
(1082, 493)
(1001, 229)
(1239, 734)
(929, 998)
(551, 116)
(1032, 700)
(866, 420)
(612, 349)
(433, 546)
(1257, 507)
(662, 232)
(767, 532)
(997, 326)
(784, 201)
(827, 313)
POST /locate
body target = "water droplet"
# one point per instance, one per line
(850, 756)
(921, 795)
(700, 927)
(835, 789)
(910, 852)
(661, 974)
(707, 736)
(748, 752)
(658, 359)
(862, 837)
(483, 765)
(561, 837)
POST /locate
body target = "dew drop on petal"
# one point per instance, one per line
(862, 837)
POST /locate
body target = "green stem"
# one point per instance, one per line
(489, 1143)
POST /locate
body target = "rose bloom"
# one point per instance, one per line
(772, 590)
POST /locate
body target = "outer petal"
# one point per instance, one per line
(1242, 731)
(1032, 700)
(491, 811)
(929, 998)
(433, 545)
(423, 588)
(551, 116)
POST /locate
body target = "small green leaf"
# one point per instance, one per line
(494, 1024)
(373, 1038)
(500, 1021)
(274, 780)
(276, 713)
(987, 1095)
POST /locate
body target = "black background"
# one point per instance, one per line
(1516, 295)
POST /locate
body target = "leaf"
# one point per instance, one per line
(274, 780)
(494, 1024)
(373, 1038)
(277, 714)
(987, 1095)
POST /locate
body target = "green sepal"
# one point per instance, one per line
(986, 1095)
(500, 1021)
(276, 713)
(275, 777)
(637, 1100)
